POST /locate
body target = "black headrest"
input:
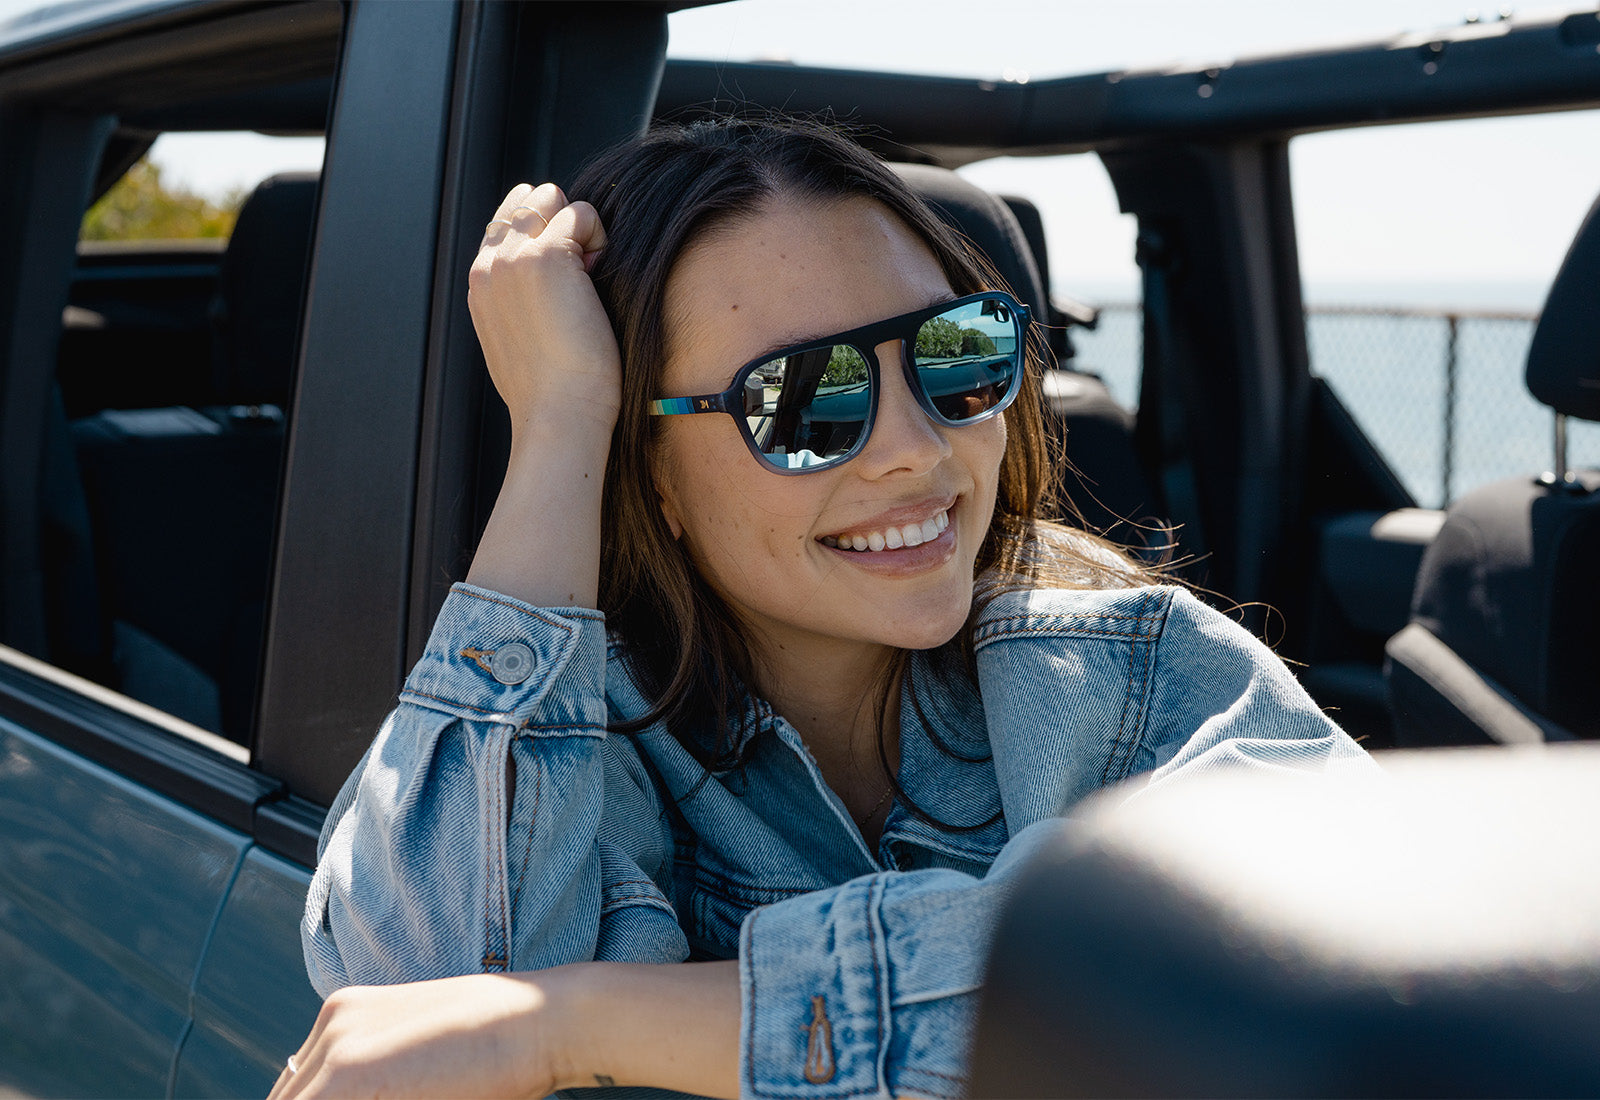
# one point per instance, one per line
(988, 223)
(1508, 584)
(1031, 222)
(1564, 359)
(261, 289)
(1431, 930)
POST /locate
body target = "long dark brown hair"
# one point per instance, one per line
(657, 194)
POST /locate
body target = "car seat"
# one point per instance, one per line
(1502, 644)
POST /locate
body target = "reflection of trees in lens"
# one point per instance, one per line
(974, 342)
(942, 338)
(845, 367)
(939, 338)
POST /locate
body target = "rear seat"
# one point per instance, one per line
(1106, 482)
(182, 501)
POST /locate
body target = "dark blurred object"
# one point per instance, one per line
(1435, 932)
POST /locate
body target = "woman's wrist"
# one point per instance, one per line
(546, 443)
(568, 1030)
(542, 542)
(672, 1026)
(586, 421)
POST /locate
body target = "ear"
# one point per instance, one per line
(670, 514)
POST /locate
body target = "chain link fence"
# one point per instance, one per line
(1439, 392)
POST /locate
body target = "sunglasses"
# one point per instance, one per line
(811, 406)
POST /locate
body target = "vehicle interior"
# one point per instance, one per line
(166, 416)
(241, 474)
(174, 386)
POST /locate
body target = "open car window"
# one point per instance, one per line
(1422, 294)
(174, 375)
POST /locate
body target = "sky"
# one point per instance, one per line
(1479, 212)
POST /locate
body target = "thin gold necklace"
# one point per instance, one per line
(878, 805)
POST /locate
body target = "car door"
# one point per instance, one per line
(153, 870)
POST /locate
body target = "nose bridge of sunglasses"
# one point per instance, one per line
(902, 416)
(896, 370)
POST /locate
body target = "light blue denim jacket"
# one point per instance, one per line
(859, 968)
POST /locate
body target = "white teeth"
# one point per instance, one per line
(891, 538)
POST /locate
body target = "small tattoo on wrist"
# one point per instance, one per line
(605, 1082)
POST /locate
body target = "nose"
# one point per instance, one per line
(904, 439)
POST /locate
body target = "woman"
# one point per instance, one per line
(850, 668)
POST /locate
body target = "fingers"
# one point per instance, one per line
(587, 232)
(300, 1066)
(540, 216)
(526, 211)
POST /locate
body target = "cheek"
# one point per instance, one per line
(735, 517)
(985, 451)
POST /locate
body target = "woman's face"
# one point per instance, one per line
(779, 548)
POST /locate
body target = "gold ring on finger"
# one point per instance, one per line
(498, 221)
(534, 212)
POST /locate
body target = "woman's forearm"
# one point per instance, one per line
(549, 348)
(668, 1026)
(542, 543)
(673, 1026)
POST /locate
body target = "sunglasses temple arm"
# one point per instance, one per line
(686, 406)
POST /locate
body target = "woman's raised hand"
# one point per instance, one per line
(552, 355)
(545, 337)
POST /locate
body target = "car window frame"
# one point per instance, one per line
(62, 144)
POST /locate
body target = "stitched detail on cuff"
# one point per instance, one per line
(484, 594)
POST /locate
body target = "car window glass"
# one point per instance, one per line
(1426, 252)
(174, 378)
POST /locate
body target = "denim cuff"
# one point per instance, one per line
(493, 658)
(814, 984)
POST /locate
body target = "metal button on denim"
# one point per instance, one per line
(512, 663)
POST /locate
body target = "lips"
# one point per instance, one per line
(890, 537)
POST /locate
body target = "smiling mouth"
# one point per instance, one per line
(891, 538)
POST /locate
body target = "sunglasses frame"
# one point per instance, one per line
(864, 340)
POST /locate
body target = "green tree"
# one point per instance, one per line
(939, 338)
(845, 367)
(139, 208)
(974, 342)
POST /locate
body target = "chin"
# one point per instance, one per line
(929, 631)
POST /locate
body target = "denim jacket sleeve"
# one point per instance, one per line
(869, 989)
(492, 824)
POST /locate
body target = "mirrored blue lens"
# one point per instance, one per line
(811, 408)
